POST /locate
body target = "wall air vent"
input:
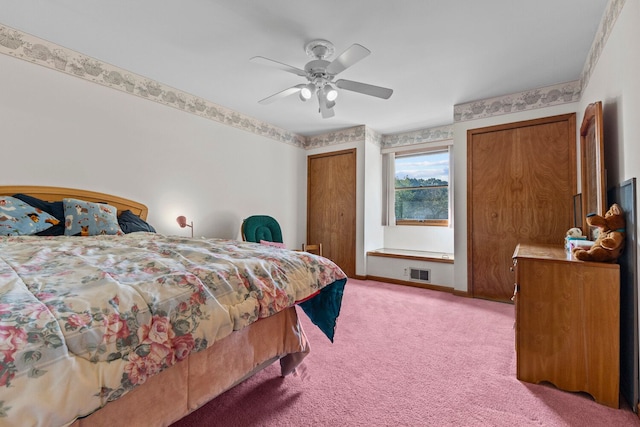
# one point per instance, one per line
(421, 275)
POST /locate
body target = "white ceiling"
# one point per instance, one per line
(434, 54)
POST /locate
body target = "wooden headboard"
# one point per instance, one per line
(55, 194)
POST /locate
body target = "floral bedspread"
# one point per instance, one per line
(83, 320)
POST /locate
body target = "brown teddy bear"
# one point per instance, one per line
(610, 242)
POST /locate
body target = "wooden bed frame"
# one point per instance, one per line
(191, 383)
(54, 194)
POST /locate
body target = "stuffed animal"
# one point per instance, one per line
(610, 242)
(574, 232)
(574, 238)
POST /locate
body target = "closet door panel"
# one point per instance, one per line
(331, 206)
(493, 221)
(521, 180)
(548, 156)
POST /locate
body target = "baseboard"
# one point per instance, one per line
(440, 288)
(414, 284)
(464, 294)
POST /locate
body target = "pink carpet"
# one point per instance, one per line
(406, 356)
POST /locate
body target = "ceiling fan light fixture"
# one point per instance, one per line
(307, 92)
(330, 92)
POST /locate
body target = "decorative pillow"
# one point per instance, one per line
(130, 223)
(274, 244)
(89, 219)
(20, 218)
(53, 208)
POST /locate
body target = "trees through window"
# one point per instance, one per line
(422, 188)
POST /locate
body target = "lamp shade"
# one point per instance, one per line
(182, 221)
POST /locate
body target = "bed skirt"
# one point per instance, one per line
(191, 383)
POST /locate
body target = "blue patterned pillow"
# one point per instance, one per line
(20, 218)
(52, 208)
(89, 219)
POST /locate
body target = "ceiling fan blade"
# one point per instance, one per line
(347, 58)
(380, 92)
(281, 94)
(271, 63)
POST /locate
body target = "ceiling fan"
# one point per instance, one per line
(320, 73)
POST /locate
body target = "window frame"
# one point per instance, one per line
(443, 146)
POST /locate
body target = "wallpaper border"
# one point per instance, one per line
(38, 51)
(33, 49)
(353, 134)
(614, 7)
(439, 133)
(562, 93)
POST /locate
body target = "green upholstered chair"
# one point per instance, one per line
(261, 227)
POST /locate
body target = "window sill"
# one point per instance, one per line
(413, 255)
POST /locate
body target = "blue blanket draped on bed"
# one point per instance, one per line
(324, 308)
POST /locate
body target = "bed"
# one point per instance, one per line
(115, 323)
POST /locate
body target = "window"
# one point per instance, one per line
(422, 188)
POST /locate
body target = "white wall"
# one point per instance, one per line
(63, 131)
(419, 238)
(398, 269)
(372, 215)
(615, 82)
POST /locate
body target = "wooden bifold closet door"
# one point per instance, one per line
(521, 182)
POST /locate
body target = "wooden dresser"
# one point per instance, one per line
(567, 321)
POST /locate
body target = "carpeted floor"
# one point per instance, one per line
(406, 356)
